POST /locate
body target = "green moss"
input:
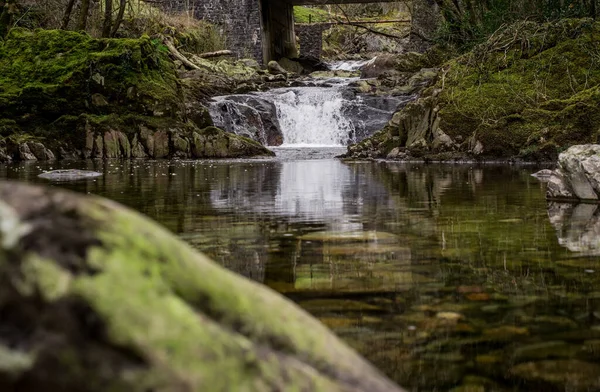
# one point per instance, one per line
(151, 314)
(545, 77)
(46, 74)
(310, 15)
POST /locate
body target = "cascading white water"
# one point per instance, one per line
(323, 112)
(350, 65)
(312, 116)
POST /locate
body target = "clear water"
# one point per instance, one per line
(448, 278)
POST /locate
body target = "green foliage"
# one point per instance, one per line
(45, 74)
(467, 22)
(528, 85)
(310, 15)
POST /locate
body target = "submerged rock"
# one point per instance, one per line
(69, 175)
(565, 375)
(95, 297)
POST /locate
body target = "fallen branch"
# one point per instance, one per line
(370, 30)
(358, 25)
(216, 54)
(169, 44)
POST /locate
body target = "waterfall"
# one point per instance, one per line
(322, 112)
(350, 65)
(313, 116)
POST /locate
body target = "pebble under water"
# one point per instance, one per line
(447, 277)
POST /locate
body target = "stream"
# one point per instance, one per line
(316, 113)
(447, 277)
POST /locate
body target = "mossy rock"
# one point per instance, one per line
(95, 297)
(527, 97)
(53, 72)
(530, 91)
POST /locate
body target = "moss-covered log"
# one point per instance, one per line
(94, 297)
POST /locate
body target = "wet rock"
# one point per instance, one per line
(545, 350)
(369, 114)
(557, 187)
(24, 153)
(137, 149)
(291, 66)
(275, 68)
(112, 145)
(274, 78)
(41, 152)
(69, 175)
(578, 175)
(161, 144)
(181, 146)
(249, 116)
(213, 142)
(85, 281)
(505, 333)
(565, 375)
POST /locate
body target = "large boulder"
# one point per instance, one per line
(95, 297)
(577, 176)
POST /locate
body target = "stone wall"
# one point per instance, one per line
(259, 29)
(239, 21)
(310, 37)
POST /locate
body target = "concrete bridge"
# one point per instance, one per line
(260, 29)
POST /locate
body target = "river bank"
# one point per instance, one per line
(526, 94)
(65, 95)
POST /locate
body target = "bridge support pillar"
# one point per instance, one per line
(279, 39)
(310, 38)
(238, 20)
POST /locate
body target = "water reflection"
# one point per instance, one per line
(444, 276)
(577, 226)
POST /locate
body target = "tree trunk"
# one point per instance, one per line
(6, 14)
(67, 16)
(83, 16)
(107, 24)
(122, 5)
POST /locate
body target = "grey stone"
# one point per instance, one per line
(543, 175)
(69, 175)
(557, 187)
(565, 374)
(25, 153)
(40, 151)
(276, 69)
(581, 167)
